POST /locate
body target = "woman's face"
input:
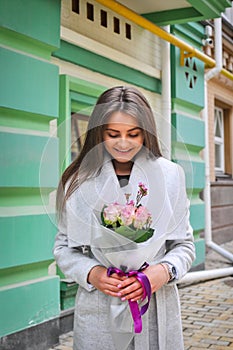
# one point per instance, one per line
(123, 138)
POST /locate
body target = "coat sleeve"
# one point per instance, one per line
(180, 252)
(73, 262)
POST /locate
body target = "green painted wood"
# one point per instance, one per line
(197, 214)
(68, 293)
(24, 197)
(200, 10)
(28, 161)
(185, 108)
(85, 87)
(210, 8)
(191, 30)
(187, 127)
(25, 17)
(181, 15)
(82, 98)
(200, 252)
(22, 120)
(25, 44)
(195, 173)
(190, 131)
(187, 80)
(83, 108)
(26, 239)
(94, 62)
(30, 85)
(24, 273)
(27, 304)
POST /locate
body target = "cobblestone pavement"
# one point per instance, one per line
(207, 310)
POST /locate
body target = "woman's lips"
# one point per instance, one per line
(123, 151)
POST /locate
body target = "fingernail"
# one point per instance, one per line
(119, 286)
(119, 294)
(123, 299)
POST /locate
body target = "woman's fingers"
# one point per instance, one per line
(125, 288)
(130, 289)
(109, 285)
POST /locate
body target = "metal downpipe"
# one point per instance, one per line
(166, 99)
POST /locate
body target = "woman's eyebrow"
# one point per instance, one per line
(136, 128)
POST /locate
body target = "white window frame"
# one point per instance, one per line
(219, 140)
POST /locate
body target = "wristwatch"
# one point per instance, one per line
(171, 270)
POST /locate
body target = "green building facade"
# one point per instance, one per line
(29, 295)
(188, 128)
(35, 95)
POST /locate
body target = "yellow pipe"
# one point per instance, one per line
(146, 24)
(227, 74)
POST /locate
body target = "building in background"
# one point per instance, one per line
(220, 117)
(56, 58)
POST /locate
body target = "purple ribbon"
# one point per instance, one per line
(134, 307)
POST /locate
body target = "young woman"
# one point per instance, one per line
(121, 148)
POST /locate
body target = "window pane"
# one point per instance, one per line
(219, 138)
(78, 129)
(90, 11)
(218, 156)
(103, 18)
(218, 131)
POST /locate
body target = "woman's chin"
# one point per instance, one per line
(122, 159)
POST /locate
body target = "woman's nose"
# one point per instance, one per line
(123, 141)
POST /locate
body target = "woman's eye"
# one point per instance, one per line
(133, 135)
(113, 135)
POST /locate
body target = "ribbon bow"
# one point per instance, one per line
(136, 312)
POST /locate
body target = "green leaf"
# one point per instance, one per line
(137, 236)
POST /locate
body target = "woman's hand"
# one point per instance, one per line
(158, 276)
(131, 289)
(108, 285)
(127, 288)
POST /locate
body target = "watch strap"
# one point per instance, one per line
(171, 270)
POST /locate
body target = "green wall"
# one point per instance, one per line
(82, 57)
(29, 100)
(187, 127)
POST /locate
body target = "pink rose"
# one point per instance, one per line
(111, 213)
(127, 215)
(142, 218)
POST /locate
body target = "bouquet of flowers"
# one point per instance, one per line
(123, 240)
(131, 220)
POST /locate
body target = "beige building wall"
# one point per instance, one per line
(96, 22)
(220, 94)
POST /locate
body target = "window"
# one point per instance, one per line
(219, 139)
(75, 6)
(77, 99)
(116, 25)
(78, 130)
(90, 11)
(103, 18)
(128, 31)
